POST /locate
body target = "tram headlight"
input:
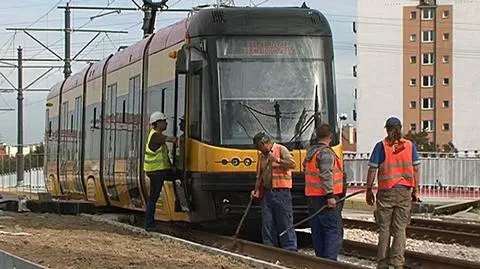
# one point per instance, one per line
(247, 161)
(235, 161)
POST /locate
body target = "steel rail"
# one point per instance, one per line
(412, 259)
(437, 231)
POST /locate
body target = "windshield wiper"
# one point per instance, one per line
(278, 115)
(302, 126)
(300, 131)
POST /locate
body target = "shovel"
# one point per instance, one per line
(318, 212)
(240, 224)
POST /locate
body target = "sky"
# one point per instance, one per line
(45, 14)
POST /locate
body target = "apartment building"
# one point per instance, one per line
(418, 60)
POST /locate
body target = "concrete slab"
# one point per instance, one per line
(73, 207)
(10, 261)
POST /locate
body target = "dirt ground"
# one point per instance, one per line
(68, 242)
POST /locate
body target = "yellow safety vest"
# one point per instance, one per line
(158, 160)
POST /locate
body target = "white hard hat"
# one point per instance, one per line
(156, 116)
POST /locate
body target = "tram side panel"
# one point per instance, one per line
(71, 136)
(121, 134)
(95, 188)
(51, 141)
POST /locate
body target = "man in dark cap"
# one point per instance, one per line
(274, 179)
(396, 163)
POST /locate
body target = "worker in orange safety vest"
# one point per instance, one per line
(323, 184)
(273, 185)
(395, 162)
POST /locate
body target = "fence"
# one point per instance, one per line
(33, 179)
(442, 175)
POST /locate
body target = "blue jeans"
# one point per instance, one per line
(277, 216)
(156, 183)
(327, 230)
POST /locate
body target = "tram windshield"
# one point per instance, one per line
(269, 85)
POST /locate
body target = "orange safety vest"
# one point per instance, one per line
(397, 169)
(281, 177)
(313, 182)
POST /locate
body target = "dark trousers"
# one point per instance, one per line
(277, 216)
(156, 183)
(327, 229)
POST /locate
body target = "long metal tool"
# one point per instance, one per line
(318, 212)
(240, 224)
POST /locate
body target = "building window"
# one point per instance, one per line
(413, 127)
(428, 126)
(413, 104)
(446, 36)
(446, 81)
(413, 37)
(446, 127)
(445, 59)
(413, 59)
(427, 14)
(445, 14)
(427, 103)
(413, 82)
(428, 58)
(446, 104)
(427, 36)
(413, 15)
(428, 81)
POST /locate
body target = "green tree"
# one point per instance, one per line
(422, 142)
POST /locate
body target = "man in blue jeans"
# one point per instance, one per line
(324, 180)
(157, 164)
(274, 179)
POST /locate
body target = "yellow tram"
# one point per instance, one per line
(221, 76)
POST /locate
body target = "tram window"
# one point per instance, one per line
(71, 123)
(94, 117)
(195, 111)
(123, 110)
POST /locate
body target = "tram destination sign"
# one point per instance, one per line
(272, 47)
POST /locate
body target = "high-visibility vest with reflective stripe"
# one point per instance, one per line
(397, 169)
(155, 160)
(314, 185)
(281, 177)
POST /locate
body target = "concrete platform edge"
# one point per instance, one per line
(10, 261)
(249, 260)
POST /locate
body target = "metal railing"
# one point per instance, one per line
(441, 174)
(33, 176)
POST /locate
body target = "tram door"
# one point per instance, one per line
(182, 202)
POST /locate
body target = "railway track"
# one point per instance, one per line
(413, 260)
(279, 256)
(291, 259)
(438, 231)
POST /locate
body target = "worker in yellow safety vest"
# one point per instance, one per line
(156, 164)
